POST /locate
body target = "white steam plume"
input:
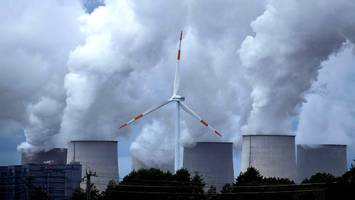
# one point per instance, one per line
(328, 116)
(282, 60)
(126, 65)
(34, 50)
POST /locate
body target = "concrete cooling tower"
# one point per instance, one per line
(98, 156)
(53, 156)
(320, 158)
(212, 160)
(137, 164)
(272, 155)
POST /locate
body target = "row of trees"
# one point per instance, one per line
(156, 184)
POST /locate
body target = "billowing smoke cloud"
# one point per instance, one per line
(282, 60)
(163, 151)
(328, 116)
(127, 65)
(33, 56)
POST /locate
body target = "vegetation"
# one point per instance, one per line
(79, 194)
(38, 194)
(320, 178)
(252, 177)
(155, 184)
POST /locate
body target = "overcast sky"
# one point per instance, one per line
(78, 69)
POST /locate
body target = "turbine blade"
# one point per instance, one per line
(137, 117)
(177, 70)
(195, 115)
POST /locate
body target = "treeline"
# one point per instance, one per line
(155, 184)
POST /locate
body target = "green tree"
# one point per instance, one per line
(250, 177)
(277, 181)
(147, 177)
(197, 184)
(79, 194)
(110, 192)
(156, 184)
(320, 178)
(182, 176)
(349, 176)
(39, 194)
(227, 188)
(211, 193)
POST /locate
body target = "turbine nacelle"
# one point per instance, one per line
(177, 98)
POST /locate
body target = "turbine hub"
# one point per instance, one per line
(177, 98)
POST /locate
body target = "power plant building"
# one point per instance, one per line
(321, 158)
(212, 160)
(52, 156)
(96, 156)
(18, 182)
(272, 155)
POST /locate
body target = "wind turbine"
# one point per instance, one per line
(179, 101)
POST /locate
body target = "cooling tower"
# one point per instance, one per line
(272, 155)
(137, 164)
(321, 158)
(212, 160)
(53, 156)
(97, 156)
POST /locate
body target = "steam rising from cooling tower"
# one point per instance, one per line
(109, 76)
(292, 39)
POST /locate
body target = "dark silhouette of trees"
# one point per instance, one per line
(158, 185)
(320, 178)
(349, 176)
(198, 184)
(344, 188)
(39, 194)
(110, 193)
(211, 193)
(252, 177)
(227, 188)
(79, 194)
(277, 181)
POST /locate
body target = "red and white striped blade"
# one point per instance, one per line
(144, 114)
(195, 115)
(177, 70)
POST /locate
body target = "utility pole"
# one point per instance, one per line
(88, 183)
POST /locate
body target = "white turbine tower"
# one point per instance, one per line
(179, 103)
